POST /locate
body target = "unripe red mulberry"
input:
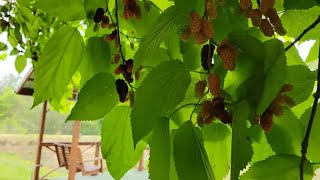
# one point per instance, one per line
(228, 54)
(200, 88)
(185, 36)
(211, 9)
(138, 73)
(200, 38)
(195, 22)
(275, 21)
(214, 84)
(245, 4)
(111, 36)
(206, 109)
(207, 29)
(286, 88)
(256, 17)
(266, 121)
(288, 100)
(105, 22)
(265, 5)
(116, 58)
(266, 28)
(200, 120)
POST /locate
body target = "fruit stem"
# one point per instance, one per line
(118, 33)
(305, 142)
(196, 105)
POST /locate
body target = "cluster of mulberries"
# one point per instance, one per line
(131, 9)
(275, 108)
(100, 17)
(113, 36)
(228, 53)
(268, 24)
(206, 61)
(211, 110)
(200, 28)
(200, 88)
(125, 70)
(122, 90)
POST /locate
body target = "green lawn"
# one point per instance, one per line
(13, 167)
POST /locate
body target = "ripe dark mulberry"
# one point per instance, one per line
(122, 89)
(98, 16)
(204, 56)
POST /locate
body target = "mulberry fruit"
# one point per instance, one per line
(228, 54)
(214, 84)
(105, 22)
(116, 58)
(195, 22)
(200, 88)
(211, 9)
(286, 88)
(266, 28)
(204, 56)
(245, 4)
(206, 109)
(122, 89)
(265, 5)
(275, 21)
(111, 36)
(256, 17)
(207, 29)
(138, 73)
(266, 121)
(185, 36)
(200, 38)
(99, 15)
(131, 95)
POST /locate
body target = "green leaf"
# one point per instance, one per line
(217, 142)
(313, 53)
(161, 91)
(313, 148)
(20, 63)
(191, 54)
(116, 142)
(295, 21)
(275, 73)
(96, 58)
(302, 80)
(91, 7)
(298, 4)
(3, 46)
(66, 10)
(160, 148)
(173, 172)
(191, 159)
(241, 150)
(286, 134)
(97, 98)
(14, 51)
(151, 41)
(278, 167)
(58, 62)
(293, 56)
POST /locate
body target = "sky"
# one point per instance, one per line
(7, 66)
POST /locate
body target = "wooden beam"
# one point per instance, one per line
(40, 139)
(74, 150)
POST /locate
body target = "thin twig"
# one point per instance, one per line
(128, 36)
(305, 141)
(189, 104)
(199, 72)
(195, 106)
(118, 32)
(313, 25)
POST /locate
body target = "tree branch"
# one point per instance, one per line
(305, 141)
(118, 32)
(313, 25)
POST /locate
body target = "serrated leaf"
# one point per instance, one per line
(293, 56)
(58, 62)
(160, 151)
(241, 150)
(278, 167)
(298, 4)
(286, 134)
(116, 142)
(96, 59)
(97, 98)
(313, 53)
(151, 41)
(20, 63)
(217, 142)
(295, 21)
(191, 159)
(274, 71)
(313, 148)
(173, 172)
(302, 80)
(161, 91)
(66, 10)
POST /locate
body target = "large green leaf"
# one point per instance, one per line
(278, 167)
(313, 148)
(295, 21)
(217, 142)
(314, 52)
(298, 4)
(293, 56)
(58, 62)
(151, 41)
(66, 10)
(161, 91)
(191, 54)
(20, 63)
(275, 73)
(116, 142)
(286, 134)
(241, 149)
(160, 151)
(302, 80)
(96, 58)
(191, 159)
(96, 98)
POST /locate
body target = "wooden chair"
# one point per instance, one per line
(63, 152)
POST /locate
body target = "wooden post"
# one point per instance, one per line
(96, 154)
(74, 150)
(40, 139)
